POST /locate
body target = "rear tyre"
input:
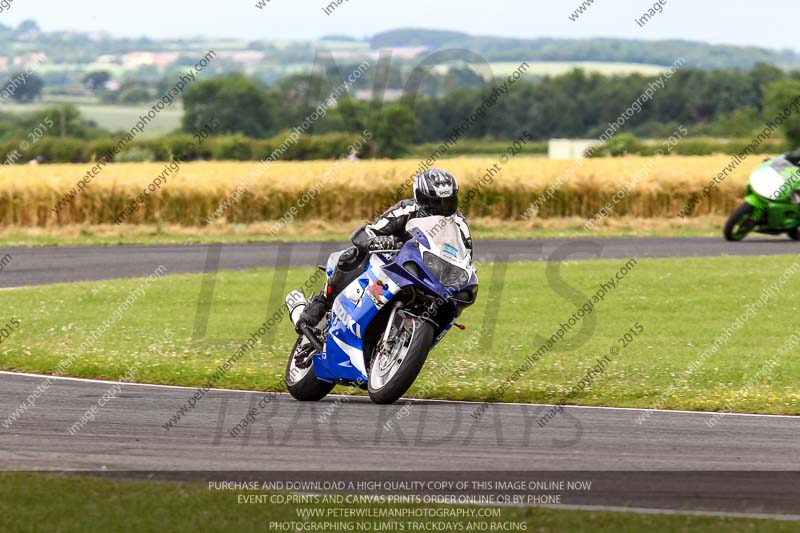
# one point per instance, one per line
(740, 223)
(395, 367)
(794, 234)
(302, 383)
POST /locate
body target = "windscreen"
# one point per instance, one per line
(443, 234)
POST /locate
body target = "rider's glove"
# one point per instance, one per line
(382, 242)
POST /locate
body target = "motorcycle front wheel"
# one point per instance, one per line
(740, 223)
(396, 364)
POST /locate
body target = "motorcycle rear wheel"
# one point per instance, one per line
(302, 383)
(394, 368)
(740, 223)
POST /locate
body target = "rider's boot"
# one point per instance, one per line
(314, 311)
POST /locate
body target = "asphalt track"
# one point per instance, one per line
(671, 461)
(37, 266)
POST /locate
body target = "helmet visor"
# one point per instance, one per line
(445, 207)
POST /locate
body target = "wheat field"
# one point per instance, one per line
(343, 191)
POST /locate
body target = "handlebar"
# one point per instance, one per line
(383, 251)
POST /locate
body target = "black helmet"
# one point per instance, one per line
(436, 192)
(793, 157)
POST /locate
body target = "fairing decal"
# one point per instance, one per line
(344, 348)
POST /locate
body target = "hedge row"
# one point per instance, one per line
(478, 147)
(331, 146)
(190, 148)
(626, 144)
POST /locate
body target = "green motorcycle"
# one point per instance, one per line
(771, 203)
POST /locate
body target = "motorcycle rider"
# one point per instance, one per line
(435, 193)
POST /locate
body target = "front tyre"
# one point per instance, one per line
(794, 234)
(740, 223)
(302, 383)
(396, 364)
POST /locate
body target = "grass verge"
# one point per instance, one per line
(36, 502)
(683, 305)
(319, 230)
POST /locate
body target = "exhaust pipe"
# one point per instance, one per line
(296, 303)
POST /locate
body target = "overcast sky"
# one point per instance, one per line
(772, 23)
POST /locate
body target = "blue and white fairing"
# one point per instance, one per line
(352, 312)
(435, 260)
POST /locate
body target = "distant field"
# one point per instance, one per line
(116, 117)
(556, 68)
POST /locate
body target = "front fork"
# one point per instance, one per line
(390, 324)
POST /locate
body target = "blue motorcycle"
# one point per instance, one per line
(399, 305)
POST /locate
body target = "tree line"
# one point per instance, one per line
(716, 103)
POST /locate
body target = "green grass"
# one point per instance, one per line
(35, 502)
(87, 238)
(683, 304)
